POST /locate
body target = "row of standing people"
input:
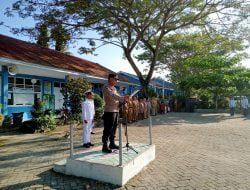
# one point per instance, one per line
(140, 108)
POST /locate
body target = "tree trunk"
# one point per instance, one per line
(216, 103)
(216, 100)
(145, 90)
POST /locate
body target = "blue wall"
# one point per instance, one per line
(8, 110)
(4, 95)
(26, 109)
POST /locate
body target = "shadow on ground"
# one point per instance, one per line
(52, 180)
(181, 118)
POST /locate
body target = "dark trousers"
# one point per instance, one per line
(232, 110)
(110, 126)
(245, 111)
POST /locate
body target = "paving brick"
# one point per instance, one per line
(193, 151)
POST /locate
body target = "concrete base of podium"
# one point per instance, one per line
(95, 164)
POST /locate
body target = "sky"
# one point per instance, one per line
(109, 56)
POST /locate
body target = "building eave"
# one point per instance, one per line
(69, 72)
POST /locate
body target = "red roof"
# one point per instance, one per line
(32, 53)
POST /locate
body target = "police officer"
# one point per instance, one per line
(112, 99)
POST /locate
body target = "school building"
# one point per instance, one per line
(29, 71)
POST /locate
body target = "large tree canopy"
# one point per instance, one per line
(179, 47)
(132, 24)
(203, 64)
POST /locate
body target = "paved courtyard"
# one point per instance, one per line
(193, 151)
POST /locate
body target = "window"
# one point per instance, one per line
(56, 84)
(47, 87)
(20, 82)
(11, 84)
(23, 91)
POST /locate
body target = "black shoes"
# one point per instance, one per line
(106, 149)
(86, 145)
(92, 133)
(113, 146)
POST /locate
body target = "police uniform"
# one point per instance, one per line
(111, 111)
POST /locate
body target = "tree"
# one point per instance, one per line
(132, 24)
(43, 37)
(200, 62)
(216, 75)
(178, 47)
(240, 78)
(60, 36)
(99, 106)
(73, 93)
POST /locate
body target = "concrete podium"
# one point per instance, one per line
(95, 164)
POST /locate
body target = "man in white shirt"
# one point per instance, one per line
(232, 106)
(245, 105)
(88, 113)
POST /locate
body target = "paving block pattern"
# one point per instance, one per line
(194, 151)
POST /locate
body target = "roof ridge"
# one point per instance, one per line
(30, 52)
(45, 48)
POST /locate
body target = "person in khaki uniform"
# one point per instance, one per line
(154, 106)
(141, 109)
(125, 113)
(130, 111)
(158, 106)
(135, 109)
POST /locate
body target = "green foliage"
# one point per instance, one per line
(38, 109)
(7, 122)
(200, 61)
(60, 36)
(46, 122)
(73, 93)
(43, 36)
(99, 106)
(151, 93)
(43, 119)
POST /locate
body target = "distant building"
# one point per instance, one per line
(160, 86)
(163, 87)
